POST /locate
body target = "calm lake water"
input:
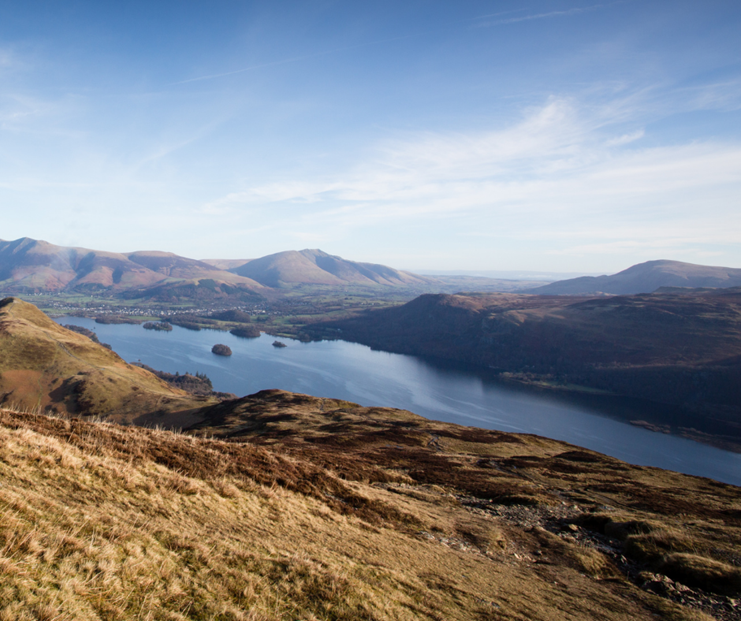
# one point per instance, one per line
(437, 391)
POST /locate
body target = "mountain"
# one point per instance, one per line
(30, 266)
(678, 349)
(286, 506)
(646, 278)
(46, 367)
(315, 267)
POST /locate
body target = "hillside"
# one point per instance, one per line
(314, 267)
(46, 367)
(29, 266)
(680, 349)
(646, 278)
(321, 509)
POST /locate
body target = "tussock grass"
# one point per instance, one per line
(99, 521)
(94, 536)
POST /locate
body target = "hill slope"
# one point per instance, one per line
(314, 267)
(646, 278)
(349, 513)
(45, 366)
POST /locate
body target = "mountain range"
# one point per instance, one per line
(33, 266)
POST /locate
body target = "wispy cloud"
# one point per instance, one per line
(555, 175)
(626, 138)
(500, 13)
(17, 108)
(717, 96)
(536, 16)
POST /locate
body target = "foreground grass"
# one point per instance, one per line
(99, 521)
(97, 537)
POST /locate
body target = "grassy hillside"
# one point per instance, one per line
(675, 348)
(45, 366)
(349, 513)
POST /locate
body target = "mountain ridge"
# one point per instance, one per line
(36, 266)
(646, 277)
(316, 267)
(28, 265)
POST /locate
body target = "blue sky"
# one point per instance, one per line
(544, 135)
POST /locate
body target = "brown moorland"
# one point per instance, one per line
(294, 507)
(621, 520)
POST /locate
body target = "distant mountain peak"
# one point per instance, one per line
(316, 267)
(646, 277)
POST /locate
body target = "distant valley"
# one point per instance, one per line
(675, 343)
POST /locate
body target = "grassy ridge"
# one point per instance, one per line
(44, 365)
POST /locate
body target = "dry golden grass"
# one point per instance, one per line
(105, 522)
(45, 365)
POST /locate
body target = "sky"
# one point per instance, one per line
(560, 136)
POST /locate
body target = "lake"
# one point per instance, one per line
(435, 390)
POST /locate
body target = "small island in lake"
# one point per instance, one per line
(279, 344)
(158, 325)
(246, 332)
(221, 350)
